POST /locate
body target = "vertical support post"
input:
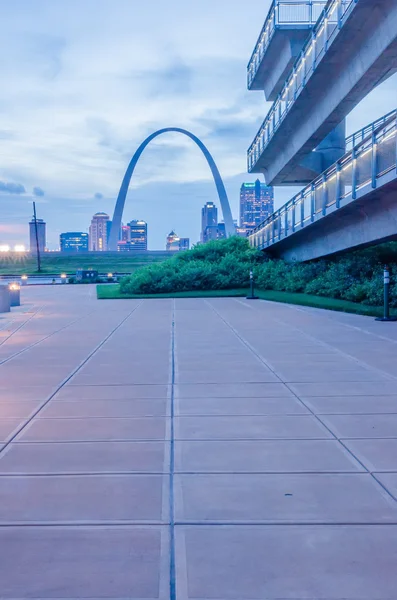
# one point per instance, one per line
(338, 185)
(313, 51)
(37, 239)
(293, 216)
(325, 34)
(354, 174)
(312, 203)
(324, 198)
(294, 85)
(386, 297)
(273, 230)
(302, 208)
(286, 223)
(279, 226)
(339, 13)
(374, 160)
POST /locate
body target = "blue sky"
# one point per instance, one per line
(85, 81)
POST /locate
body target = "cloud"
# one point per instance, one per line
(12, 188)
(98, 196)
(38, 192)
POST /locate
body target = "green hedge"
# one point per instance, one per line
(226, 264)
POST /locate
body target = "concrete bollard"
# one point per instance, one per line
(5, 303)
(15, 294)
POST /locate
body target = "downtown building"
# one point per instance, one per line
(74, 241)
(134, 237)
(210, 228)
(98, 233)
(176, 243)
(256, 205)
(37, 238)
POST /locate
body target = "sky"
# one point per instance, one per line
(84, 82)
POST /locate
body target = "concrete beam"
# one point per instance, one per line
(362, 54)
(369, 220)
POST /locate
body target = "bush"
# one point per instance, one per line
(226, 264)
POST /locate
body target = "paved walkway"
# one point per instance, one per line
(197, 449)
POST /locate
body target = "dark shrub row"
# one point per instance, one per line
(226, 265)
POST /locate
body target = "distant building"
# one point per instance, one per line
(125, 234)
(73, 241)
(177, 244)
(256, 204)
(209, 218)
(138, 231)
(99, 232)
(41, 235)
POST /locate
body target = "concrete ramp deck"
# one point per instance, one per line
(195, 449)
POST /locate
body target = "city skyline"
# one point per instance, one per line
(102, 103)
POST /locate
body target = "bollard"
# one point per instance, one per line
(24, 280)
(64, 277)
(15, 294)
(386, 302)
(252, 287)
(4, 299)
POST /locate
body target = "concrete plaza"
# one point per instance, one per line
(195, 449)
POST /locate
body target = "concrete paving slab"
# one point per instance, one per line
(89, 457)
(263, 456)
(17, 410)
(352, 404)
(375, 454)
(286, 498)
(246, 427)
(385, 388)
(242, 390)
(239, 406)
(389, 480)
(105, 408)
(295, 562)
(84, 562)
(362, 426)
(92, 429)
(326, 374)
(8, 427)
(84, 498)
(112, 392)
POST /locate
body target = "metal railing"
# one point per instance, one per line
(326, 29)
(359, 136)
(375, 156)
(282, 12)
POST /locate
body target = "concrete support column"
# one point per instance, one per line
(333, 147)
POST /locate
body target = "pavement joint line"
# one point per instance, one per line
(328, 317)
(365, 365)
(22, 324)
(2, 362)
(194, 523)
(348, 450)
(60, 386)
(175, 439)
(172, 588)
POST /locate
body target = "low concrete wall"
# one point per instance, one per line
(4, 299)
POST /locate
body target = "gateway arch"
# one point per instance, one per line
(223, 199)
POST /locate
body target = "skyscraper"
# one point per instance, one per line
(176, 244)
(209, 218)
(256, 204)
(138, 234)
(98, 232)
(41, 235)
(73, 241)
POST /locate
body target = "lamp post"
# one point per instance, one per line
(386, 297)
(252, 287)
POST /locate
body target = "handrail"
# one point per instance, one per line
(375, 156)
(359, 136)
(328, 25)
(274, 19)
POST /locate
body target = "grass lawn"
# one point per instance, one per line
(57, 263)
(107, 292)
